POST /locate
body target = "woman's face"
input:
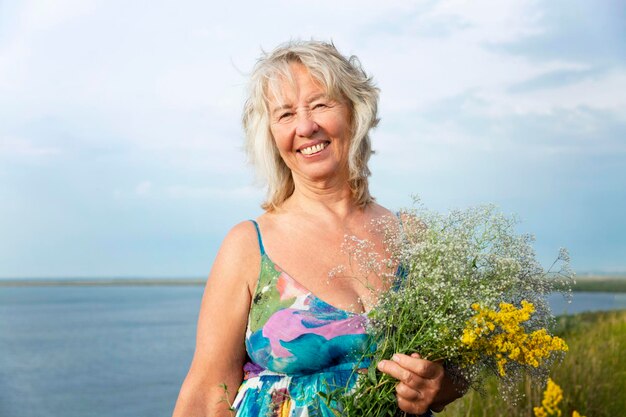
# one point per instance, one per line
(311, 131)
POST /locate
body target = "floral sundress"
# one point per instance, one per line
(299, 346)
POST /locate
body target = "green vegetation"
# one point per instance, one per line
(600, 284)
(592, 375)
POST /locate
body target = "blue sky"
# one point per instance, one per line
(120, 137)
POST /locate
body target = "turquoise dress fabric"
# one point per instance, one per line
(299, 348)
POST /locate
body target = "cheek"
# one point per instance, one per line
(280, 139)
(344, 131)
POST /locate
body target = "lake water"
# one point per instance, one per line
(587, 301)
(117, 351)
(95, 351)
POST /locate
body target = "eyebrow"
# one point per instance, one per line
(280, 108)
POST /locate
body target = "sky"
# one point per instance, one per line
(121, 141)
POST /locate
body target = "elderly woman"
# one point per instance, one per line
(274, 331)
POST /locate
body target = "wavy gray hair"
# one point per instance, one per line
(344, 79)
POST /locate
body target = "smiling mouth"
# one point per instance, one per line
(314, 149)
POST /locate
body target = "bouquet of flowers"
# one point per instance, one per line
(470, 293)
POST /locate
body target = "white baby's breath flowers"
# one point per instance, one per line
(447, 264)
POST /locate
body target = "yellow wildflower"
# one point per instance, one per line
(500, 334)
(552, 396)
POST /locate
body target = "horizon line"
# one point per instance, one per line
(176, 281)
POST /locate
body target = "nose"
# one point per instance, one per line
(306, 127)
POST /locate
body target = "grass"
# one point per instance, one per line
(592, 375)
(600, 283)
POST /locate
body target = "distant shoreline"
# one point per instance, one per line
(588, 283)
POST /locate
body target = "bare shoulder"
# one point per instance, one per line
(410, 221)
(241, 238)
(381, 211)
(404, 219)
(239, 254)
(382, 215)
(270, 219)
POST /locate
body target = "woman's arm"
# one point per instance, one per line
(220, 349)
(422, 385)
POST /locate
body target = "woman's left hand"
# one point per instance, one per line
(423, 384)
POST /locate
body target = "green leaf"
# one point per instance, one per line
(371, 373)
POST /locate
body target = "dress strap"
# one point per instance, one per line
(258, 234)
(399, 217)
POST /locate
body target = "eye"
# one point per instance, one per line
(319, 106)
(284, 116)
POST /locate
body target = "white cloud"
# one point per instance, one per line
(599, 93)
(213, 193)
(35, 19)
(489, 21)
(41, 15)
(150, 190)
(14, 68)
(12, 146)
(178, 92)
(143, 188)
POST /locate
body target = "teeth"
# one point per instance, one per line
(313, 149)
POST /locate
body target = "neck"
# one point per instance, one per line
(323, 196)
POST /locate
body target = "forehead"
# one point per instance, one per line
(291, 82)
